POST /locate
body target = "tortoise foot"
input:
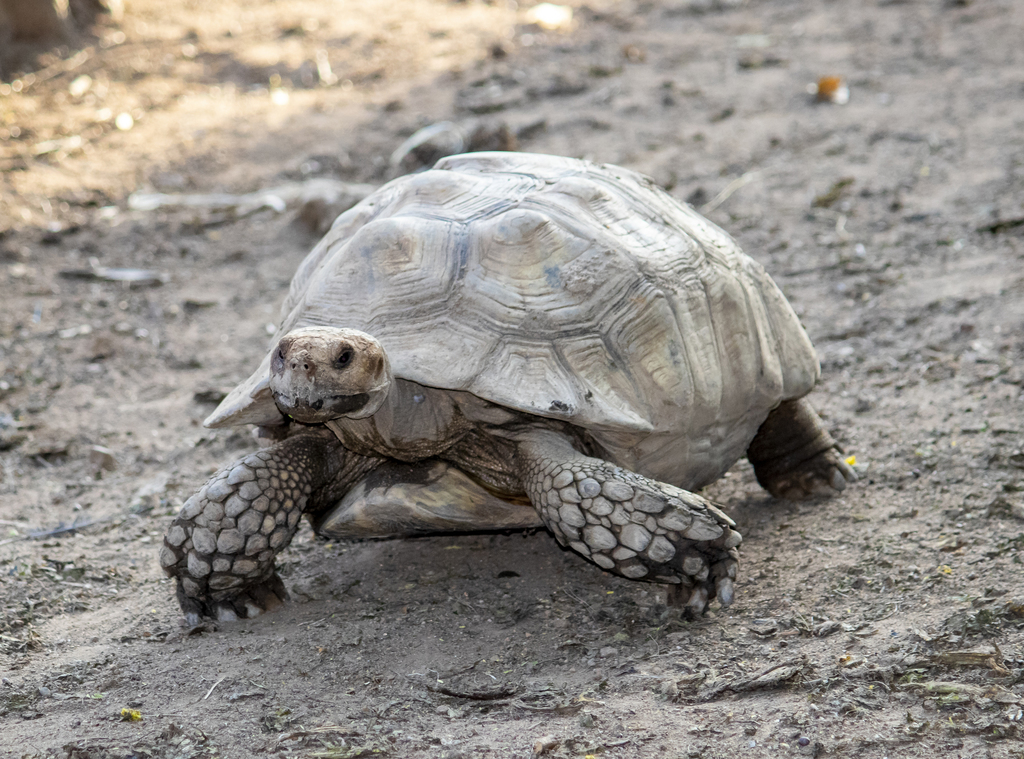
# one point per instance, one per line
(795, 457)
(824, 474)
(247, 602)
(221, 546)
(629, 524)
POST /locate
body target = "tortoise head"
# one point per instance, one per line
(322, 373)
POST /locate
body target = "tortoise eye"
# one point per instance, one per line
(344, 358)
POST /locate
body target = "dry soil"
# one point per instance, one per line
(886, 622)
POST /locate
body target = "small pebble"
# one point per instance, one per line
(544, 744)
(427, 146)
(803, 741)
(550, 17)
(80, 86)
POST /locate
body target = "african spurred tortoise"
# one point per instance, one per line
(504, 341)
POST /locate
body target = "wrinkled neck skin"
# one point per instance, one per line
(413, 422)
(417, 422)
(342, 378)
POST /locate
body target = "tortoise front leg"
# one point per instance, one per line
(221, 546)
(627, 523)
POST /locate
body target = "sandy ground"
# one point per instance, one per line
(886, 622)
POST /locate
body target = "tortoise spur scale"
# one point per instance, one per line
(508, 341)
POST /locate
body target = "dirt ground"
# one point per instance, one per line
(886, 622)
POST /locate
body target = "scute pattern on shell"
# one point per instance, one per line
(564, 289)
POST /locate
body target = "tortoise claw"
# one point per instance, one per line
(724, 591)
(245, 603)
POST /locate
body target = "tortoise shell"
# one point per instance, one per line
(564, 289)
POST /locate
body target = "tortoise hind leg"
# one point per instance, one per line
(794, 457)
(627, 523)
(221, 546)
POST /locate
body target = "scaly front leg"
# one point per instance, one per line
(221, 546)
(627, 523)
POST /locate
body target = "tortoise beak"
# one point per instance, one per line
(318, 409)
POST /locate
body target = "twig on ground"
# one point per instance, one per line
(769, 678)
(214, 686)
(58, 530)
(730, 188)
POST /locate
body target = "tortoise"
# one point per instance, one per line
(507, 341)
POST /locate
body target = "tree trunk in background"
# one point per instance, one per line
(35, 20)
